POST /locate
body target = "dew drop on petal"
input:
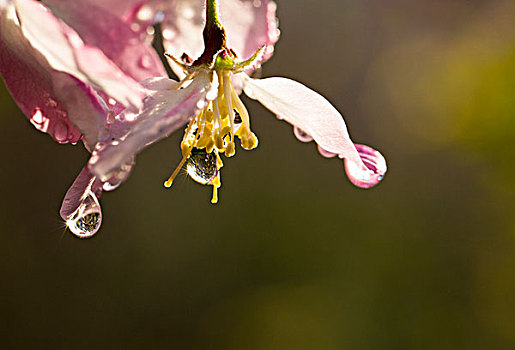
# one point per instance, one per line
(301, 135)
(168, 34)
(160, 15)
(188, 13)
(150, 31)
(135, 27)
(326, 153)
(201, 166)
(118, 177)
(145, 61)
(145, 13)
(86, 220)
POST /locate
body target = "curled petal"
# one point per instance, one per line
(312, 113)
(130, 50)
(164, 111)
(55, 102)
(65, 51)
(373, 160)
(249, 25)
(78, 191)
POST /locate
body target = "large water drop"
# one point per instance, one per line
(201, 166)
(86, 220)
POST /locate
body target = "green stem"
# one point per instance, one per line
(214, 34)
(212, 19)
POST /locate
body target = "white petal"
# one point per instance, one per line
(164, 111)
(316, 117)
(307, 110)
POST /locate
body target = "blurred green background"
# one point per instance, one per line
(294, 256)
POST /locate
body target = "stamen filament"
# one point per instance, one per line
(169, 182)
(227, 95)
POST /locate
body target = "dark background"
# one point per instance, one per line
(293, 256)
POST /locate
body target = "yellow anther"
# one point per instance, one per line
(185, 148)
(169, 182)
(210, 145)
(209, 116)
(225, 130)
(219, 142)
(230, 149)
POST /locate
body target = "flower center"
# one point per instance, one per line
(212, 132)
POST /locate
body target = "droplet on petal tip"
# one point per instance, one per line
(85, 221)
(375, 163)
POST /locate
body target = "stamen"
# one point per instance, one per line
(227, 86)
(185, 148)
(168, 183)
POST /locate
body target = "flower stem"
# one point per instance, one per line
(212, 18)
(214, 35)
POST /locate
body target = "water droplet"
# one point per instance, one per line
(301, 135)
(85, 221)
(145, 13)
(326, 153)
(201, 166)
(168, 34)
(118, 177)
(135, 27)
(159, 16)
(150, 30)
(145, 61)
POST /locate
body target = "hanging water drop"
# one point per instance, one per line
(85, 221)
(301, 135)
(201, 166)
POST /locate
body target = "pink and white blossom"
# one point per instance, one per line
(63, 76)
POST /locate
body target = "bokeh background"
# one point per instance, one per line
(294, 256)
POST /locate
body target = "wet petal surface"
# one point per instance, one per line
(315, 116)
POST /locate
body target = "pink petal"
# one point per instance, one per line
(373, 160)
(75, 195)
(249, 25)
(54, 102)
(65, 51)
(315, 116)
(124, 9)
(164, 111)
(130, 50)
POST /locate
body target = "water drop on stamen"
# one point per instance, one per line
(302, 135)
(85, 221)
(201, 166)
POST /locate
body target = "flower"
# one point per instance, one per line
(115, 40)
(208, 102)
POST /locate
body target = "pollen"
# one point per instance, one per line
(212, 133)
